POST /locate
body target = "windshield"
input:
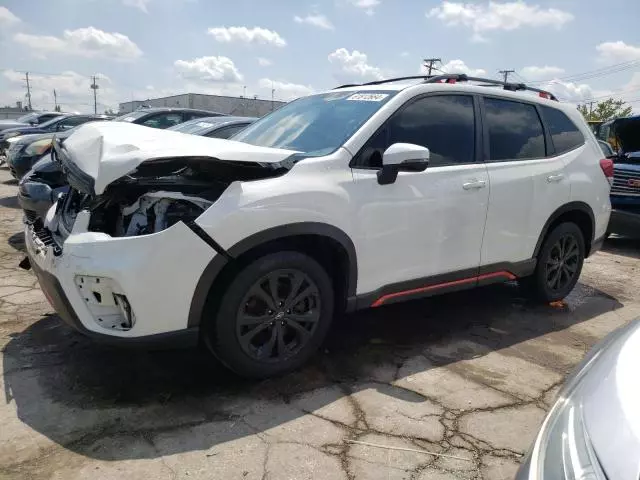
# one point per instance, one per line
(27, 118)
(316, 125)
(199, 126)
(53, 121)
(131, 116)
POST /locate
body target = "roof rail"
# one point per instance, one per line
(462, 77)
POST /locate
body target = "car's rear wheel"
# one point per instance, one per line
(273, 316)
(559, 263)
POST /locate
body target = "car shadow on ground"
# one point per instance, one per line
(77, 393)
(10, 202)
(17, 241)
(11, 181)
(627, 246)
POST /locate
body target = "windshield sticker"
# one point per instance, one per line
(204, 124)
(368, 97)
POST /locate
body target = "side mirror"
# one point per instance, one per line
(33, 123)
(402, 157)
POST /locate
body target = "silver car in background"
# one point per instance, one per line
(593, 429)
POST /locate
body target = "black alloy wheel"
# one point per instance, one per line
(562, 262)
(278, 315)
(273, 315)
(559, 263)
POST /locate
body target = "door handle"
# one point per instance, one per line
(474, 185)
(555, 178)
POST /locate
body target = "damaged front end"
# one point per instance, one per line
(156, 195)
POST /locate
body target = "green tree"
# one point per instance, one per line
(605, 110)
(109, 111)
(58, 108)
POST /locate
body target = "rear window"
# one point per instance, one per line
(564, 133)
(515, 130)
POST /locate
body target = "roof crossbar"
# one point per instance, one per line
(461, 77)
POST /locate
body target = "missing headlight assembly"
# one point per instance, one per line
(162, 192)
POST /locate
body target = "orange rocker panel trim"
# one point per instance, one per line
(503, 274)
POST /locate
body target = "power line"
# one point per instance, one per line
(600, 72)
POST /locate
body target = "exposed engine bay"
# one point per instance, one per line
(159, 194)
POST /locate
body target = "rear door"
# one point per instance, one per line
(527, 179)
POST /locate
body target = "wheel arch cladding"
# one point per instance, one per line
(575, 212)
(328, 245)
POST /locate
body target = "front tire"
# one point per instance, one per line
(273, 316)
(559, 263)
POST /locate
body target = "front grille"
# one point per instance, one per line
(30, 216)
(626, 182)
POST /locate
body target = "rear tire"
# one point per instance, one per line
(559, 264)
(273, 316)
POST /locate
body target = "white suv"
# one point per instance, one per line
(359, 197)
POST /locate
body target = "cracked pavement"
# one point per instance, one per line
(468, 375)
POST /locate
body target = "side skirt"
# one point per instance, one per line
(445, 283)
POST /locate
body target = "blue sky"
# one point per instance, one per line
(145, 48)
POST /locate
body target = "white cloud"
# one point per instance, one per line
(209, 69)
(317, 20)
(404, 54)
(498, 16)
(264, 62)
(139, 4)
(257, 35)
(7, 19)
(284, 90)
(536, 73)
(353, 66)
(85, 42)
(570, 92)
(617, 52)
(367, 5)
(455, 66)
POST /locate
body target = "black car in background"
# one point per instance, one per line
(31, 118)
(60, 123)
(214, 127)
(164, 117)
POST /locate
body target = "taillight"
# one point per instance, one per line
(606, 165)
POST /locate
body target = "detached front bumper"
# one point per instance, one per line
(89, 279)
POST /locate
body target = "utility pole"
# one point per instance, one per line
(590, 110)
(28, 91)
(429, 62)
(273, 92)
(506, 74)
(55, 100)
(94, 87)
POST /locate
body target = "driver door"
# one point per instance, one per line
(425, 230)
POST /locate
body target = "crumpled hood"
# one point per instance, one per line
(611, 398)
(107, 151)
(627, 132)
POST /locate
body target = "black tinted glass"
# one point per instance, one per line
(444, 124)
(515, 131)
(564, 134)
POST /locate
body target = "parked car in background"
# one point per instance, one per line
(607, 150)
(625, 191)
(40, 187)
(593, 429)
(25, 150)
(358, 197)
(29, 119)
(164, 117)
(57, 124)
(214, 127)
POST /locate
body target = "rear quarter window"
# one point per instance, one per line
(565, 135)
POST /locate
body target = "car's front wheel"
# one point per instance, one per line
(273, 316)
(559, 263)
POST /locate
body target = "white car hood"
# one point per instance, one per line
(611, 401)
(107, 151)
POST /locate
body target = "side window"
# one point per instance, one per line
(445, 124)
(163, 120)
(72, 122)
(564, 134)
(515, 130)
(226, 132)
(46, 118)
